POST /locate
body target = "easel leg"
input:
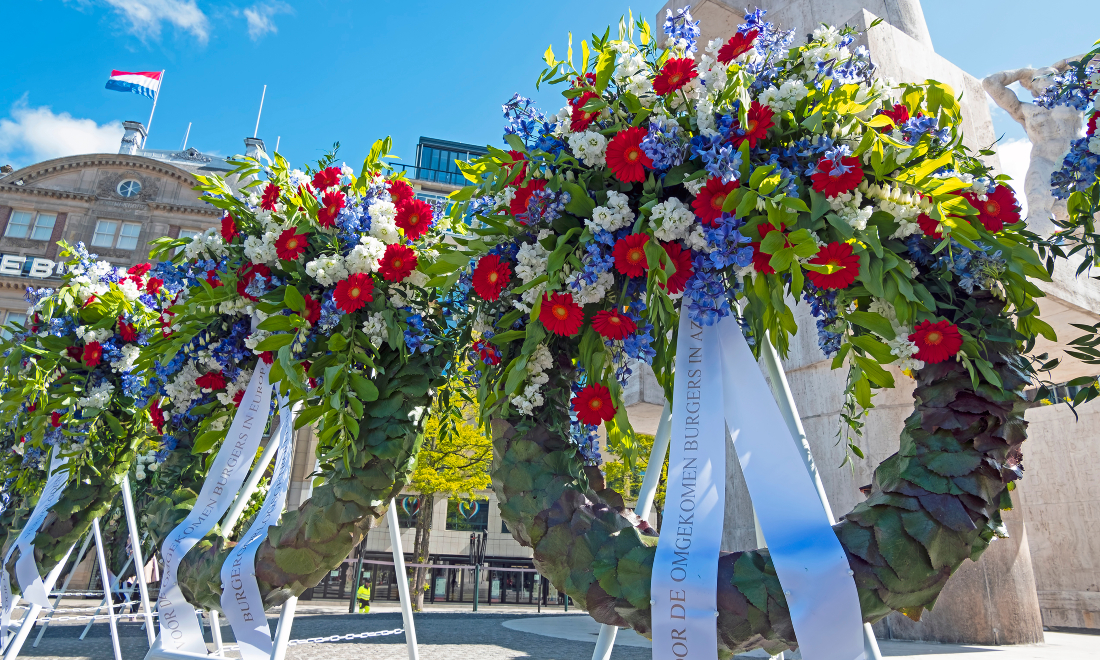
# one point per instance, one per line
(24, 631)
(139, 561)
(282, 631)
(402, 581)
(216, 634)
(103, 603)
(107, 590)
(606, 641)
(781, 389)
(65, 586)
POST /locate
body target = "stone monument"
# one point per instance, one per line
(1050, 131)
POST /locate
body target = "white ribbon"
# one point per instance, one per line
(179, 625)
(26, 568)
(809, 560)
(685, 569)
(241, 600)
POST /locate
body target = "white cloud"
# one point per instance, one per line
(1015, 157)
(31, 135)
(147, 16)
(260, 17)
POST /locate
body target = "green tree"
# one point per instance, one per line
(627, 482)
(454, 461)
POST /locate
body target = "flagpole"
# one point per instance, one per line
(149, 125)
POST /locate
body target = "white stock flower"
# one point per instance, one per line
(616, 215)
(364, 257)
(531, 261)
(375, 329)
(671, 220)
(327, 269)
(385, 231)
(589, 147)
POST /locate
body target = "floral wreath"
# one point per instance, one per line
(330, 266)
(74, 384)
(719, 182)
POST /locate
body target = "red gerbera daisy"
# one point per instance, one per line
(239, 396)
(676, 73)
(213, 279)
(229, 228)
(625, 156)
(629, 255)
(93, 354)
(839, 256)
(519, 165)
(326, 178)
(331, 203)
(1090, 130)
(55, 419)
(1000, 208)
(613, 325)
(898, 115)
(126, 331)
(490, 277)
(353, 293)
(580, 120)
(936, 342)
(761, 259)
(756, 128)
(270, 198)
(708, 203)
(399, 191)
(837, 178)
(414, 216)
(397, 263)
(269, 358)
(560, 314)
(73, 352)
(156, 414)
(153, 285)
(593, 404)
(930, 226)
(518, 205)
(681, 258)
(139, 270)
(738, 45)
(312, 313)
(290, 245)
(213, 380)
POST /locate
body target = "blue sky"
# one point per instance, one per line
(353, 71)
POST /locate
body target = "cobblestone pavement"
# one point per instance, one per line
(441, 636)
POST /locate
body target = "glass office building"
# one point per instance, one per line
(435, 160)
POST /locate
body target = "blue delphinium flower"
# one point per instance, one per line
(706, 294)
(525, 120)
(663, 145)
(731, 247)
(587, 440)
(1068, 90)
(1078, 171)
(416, 336)
(917, 127)
(544, 207)
(823, 307)
(330, 314)
(681, 26)
(720, 159)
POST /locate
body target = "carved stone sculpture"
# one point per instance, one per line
(1050, 131)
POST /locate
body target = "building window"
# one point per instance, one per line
(18, 224)
(12, 318)
(467, 515)
(43, 226)
(109, 234)
(104, 233)
(128, 236)
(129, 188)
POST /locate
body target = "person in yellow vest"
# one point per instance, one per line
(362, 597)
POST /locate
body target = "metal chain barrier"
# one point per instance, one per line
(331, 638)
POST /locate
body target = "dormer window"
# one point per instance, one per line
(129, 188)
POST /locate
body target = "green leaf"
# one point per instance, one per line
(278, 323)
(337, 343)
(876, 323)
(294, 300)
(605, 66)
(275, 342)
(874, 372)
(877, 349)
(513, 141)
(364, 388)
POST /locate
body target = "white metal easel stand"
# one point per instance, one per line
(606, 641)
(16, 644)
(65, 585)
(139, 561)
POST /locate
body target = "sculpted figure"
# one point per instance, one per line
(1050, 131)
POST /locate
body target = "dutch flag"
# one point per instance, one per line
(146, 83)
